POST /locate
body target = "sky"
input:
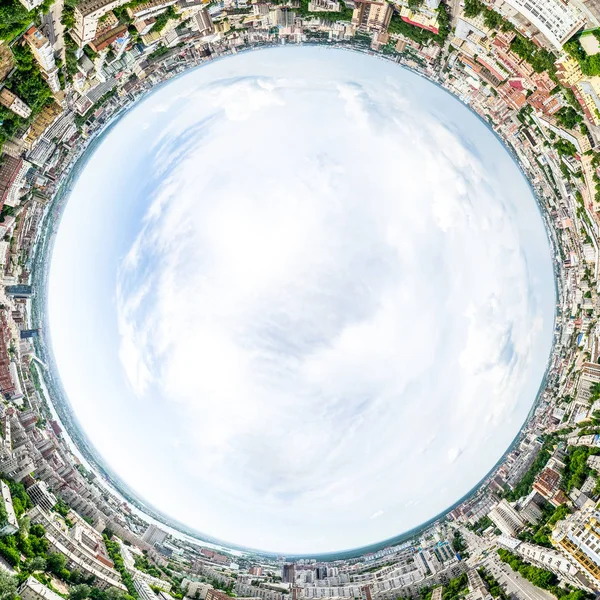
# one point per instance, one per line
(301, 299)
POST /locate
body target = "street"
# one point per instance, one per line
(513, 583)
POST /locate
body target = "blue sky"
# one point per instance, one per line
(301, 299)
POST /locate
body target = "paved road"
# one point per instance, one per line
(54, 29)
(513, 583)
(455, 11)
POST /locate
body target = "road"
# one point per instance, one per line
(513, 583)
(53, 29)
(455, 11)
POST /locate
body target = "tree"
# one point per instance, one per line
(13, 18)
(8, 585)
(37, 563)
(473, 8)
(116, 594)
(37, 530)
(565, 148)
(568, 117)
(80, 592)
(56, 563)
(24, 525)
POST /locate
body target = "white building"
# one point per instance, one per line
(31, 4)
(154, 535)
(143, 589)
(44, 55)
(32, 589)
(195, 589)
(546, 558)
(81, 545)
(87, 14)
(11, 525)
(14, 103)
(556, 20)
(41, 496)
(506, 518)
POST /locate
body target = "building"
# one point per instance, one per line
(437, 593)
(19, 291)
(556, 20)
(31, 4)
(477, 588)
(14, 103)
(143, 589)
(195, 589)
(530, 508)
(26, 334)
(32, 589)
(546, 558)
(154, 535)
(87, 15)
(578, 538)
(506, 518)
(11, 524)
(547, 485)
(44, 55)
(216, 595)
(205, 23)
(372, 16)
(288, 573)
(81, 545)
(10, 176)
(41, 496)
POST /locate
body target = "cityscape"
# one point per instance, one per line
(69, 71)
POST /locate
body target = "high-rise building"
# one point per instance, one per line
(25, 334)
(205, 23)
(14, 103)
(556, 20)
(41, 496)
(546, 558)
(19, 290)
(506, 518)
(44, 55)
(143, 589)
(154, 535)
(578, 537)
(288, 573)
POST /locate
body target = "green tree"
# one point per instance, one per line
(14, 17)
(37, 563)
(568, 117)
(565, 148)
(80, 592)
(56, 563)
(8, 585)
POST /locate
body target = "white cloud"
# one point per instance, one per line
(324, 297)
